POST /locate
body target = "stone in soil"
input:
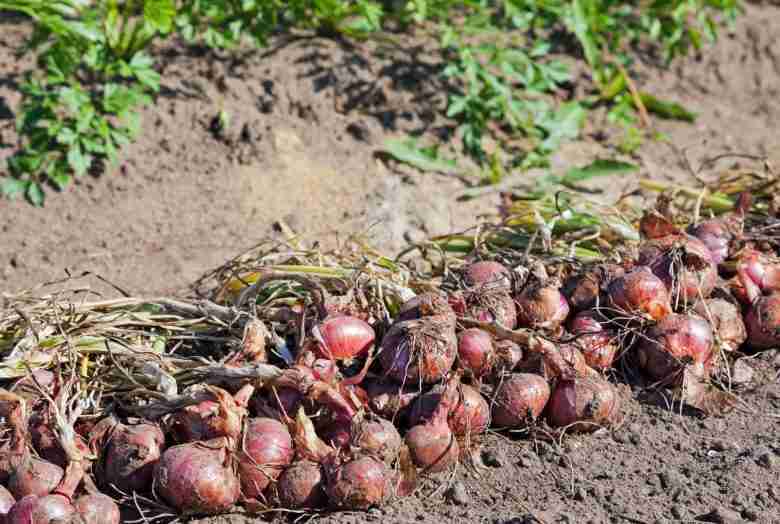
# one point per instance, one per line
(721, 515)
(492, 458)
(457, 494)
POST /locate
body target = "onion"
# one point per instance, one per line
(6, 502)
(640, 292)
(583, 404)
(758, 273)
(389, 400)
(421, 350)
(673, 342)
(588, 288)
(300, 486)
(726, 321)
(763, 322)
(221, 416)
(597, 344)
(46, 443)
(197, 478)
(343, 338)
(360, 484)
(488, 272)
(129, 454)
(487, 304)
(519, 399)
(336, 434)
(714, 234)
(379, 438)
(476, 352)
(97, 508)
(432, 445)
(34, 509)
(508, 355)
(33, 476)
(684, 264)
(266, 449)
(470, 416)
(541, 305)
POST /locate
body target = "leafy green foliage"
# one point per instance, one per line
(503, 62)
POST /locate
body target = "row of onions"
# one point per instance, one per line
(366, 405)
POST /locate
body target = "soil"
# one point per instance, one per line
(307, 119)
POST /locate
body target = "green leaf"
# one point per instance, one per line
(564, 124)
(77, 160)
(12, 187)
(425, 159)
(597, 168)
(665, 109)
(35, 194)
(160, 14)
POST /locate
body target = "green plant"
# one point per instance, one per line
(80, 108)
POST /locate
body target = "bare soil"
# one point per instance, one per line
(307, 120)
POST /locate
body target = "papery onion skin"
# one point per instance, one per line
(470, 416)
(301, 486)
(343, 338)
(128, 459)
(541, 306)
(379, 438)
(583, 404)
(715, 235)
(519, 400)
(34, 476)
(360, 484)
(598, 345)
(508, 356)
(763, 323)
(196, 478)
(640, 292)
(726, 321)
(476, 352)
(265, 450)
(587, 289)
(488, 272)
(221, 416)
(432, 444)
(677, 339)
(33, 509)
(97, 509)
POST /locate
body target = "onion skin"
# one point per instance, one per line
(672, 342)
(129, 456)
(343, 338)
(597, 344)
(34, 476)
(266, 449)
(541, 306)
(763, 323)
(715, 235)
(684, 264)
(422, 350)
(300, 486)
(640, 292)
(97, 509)
(432, 445)
(33, 509)
(389, 400)
(360, 484)
(587, 289)
(6, 502)
(470, 416)
(726, 321)
(519, 400)
(379, 438)
(221, 417)
(476, 352)
(508, 356)
(583, 404)
(758, 274)
(196, 478)
(488, 272)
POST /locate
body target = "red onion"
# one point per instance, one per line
(487, 304)
(129, 454)
(583, 404)
(221, 416)
(336, 434)
(488, 272)
(508, 355)
(6, 502)
(33, 476)
(476, 352)
(389, 400)
(300, 486)
(97, 508)
(519, 399)
(541, 306)
(758, 273)
(598, 345)
(640, 292)
(714, 234)
(265, 450)
(432, 445)
(726, 321)
(360, 484)
(45, 441)
(379, 438)
(684, 264)
(422, 350)
(470, 416)
(587, 289)
(34, 509)
(343, 338)
(197, 478)
(763, 322)
(674, 341)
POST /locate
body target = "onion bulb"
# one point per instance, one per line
(598, 345)
(763, 322)
(265, 450)
(674, 342)
(360, 484)
(476, 352)
(583, 404)
(519, 400)
(640, 292)
(301, 486)
(343, 338)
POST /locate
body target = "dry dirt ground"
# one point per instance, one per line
(307, 119)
